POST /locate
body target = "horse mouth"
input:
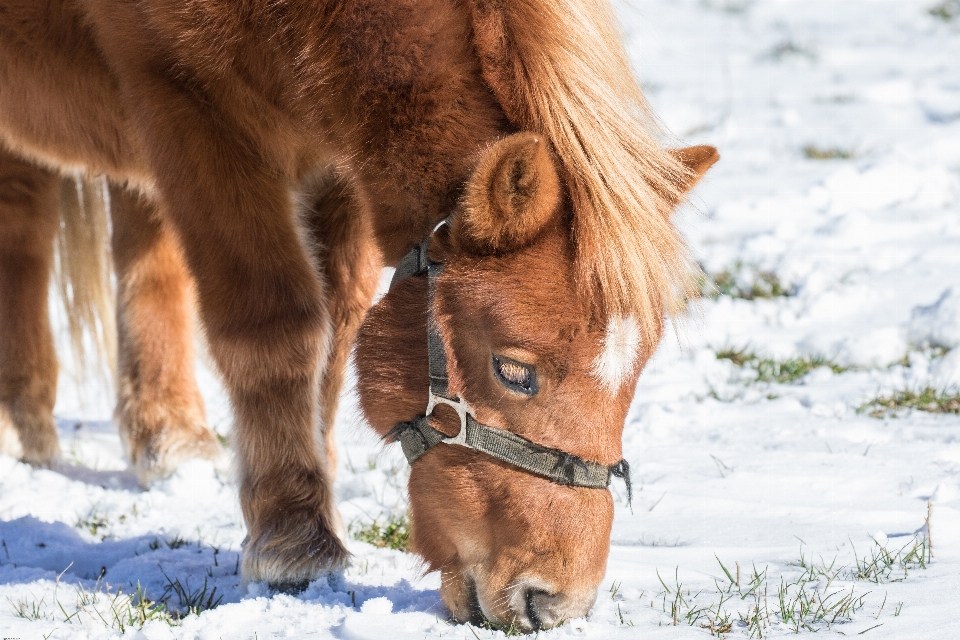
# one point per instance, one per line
(475, 615)
(535, 622)
(528, 620)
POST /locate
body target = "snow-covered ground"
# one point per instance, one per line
(802, 499)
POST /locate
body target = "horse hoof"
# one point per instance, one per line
(291, 588)
(288, 559)
(159, 455)
(10, 442)
(34, 442)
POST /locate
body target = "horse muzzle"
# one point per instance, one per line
(530, 604)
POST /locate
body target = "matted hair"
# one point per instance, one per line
(559, 68)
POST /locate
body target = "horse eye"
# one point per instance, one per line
(515, 376)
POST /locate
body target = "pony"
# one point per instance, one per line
(268, 158)
(159, 408)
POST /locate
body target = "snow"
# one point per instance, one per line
(937, 324)
(756, 475)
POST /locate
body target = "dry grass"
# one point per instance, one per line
(789, 49)
(744, 282)
(113, 609)
(813, 152)
(947, 10)
(819, 597)
(929, 399)
(780, 371)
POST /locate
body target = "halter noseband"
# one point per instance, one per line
(417, 436)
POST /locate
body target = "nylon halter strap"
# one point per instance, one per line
(416, 437)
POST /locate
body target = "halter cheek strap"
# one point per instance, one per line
(417, 436)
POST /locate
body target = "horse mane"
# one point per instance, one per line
(559, 68)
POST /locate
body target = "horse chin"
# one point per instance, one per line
(459, 593)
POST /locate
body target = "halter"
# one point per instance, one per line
(417, 436)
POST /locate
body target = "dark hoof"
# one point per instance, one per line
(291, 588)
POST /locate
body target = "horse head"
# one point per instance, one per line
(517, 517)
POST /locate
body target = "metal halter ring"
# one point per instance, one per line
(463, 410)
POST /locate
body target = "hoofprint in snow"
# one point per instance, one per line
(770, 494)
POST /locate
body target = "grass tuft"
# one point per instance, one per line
(813, 152)
(744, 282)
(509, 630)
(395, 534)
(790, 49)
(28, 609)
(929, 399)
(138, 610)
(189, 601)
(882, 565)
(734, 7)
(113, 609)
(946, 10)
(739, 357)
(821, 596)
(177, 542)
(93, 521)
(780, 371)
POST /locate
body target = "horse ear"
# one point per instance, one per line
(513, 194)
(697, 160)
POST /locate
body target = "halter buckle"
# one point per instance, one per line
(462, 409)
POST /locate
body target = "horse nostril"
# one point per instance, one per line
(533, 612)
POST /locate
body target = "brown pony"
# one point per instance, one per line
(284, 152)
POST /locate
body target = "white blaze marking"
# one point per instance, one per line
(621, 346)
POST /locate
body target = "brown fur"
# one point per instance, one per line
(698, 160)
(159, 409)
(493, 531)
(293, 147)
(350, 261)
(28, 363)
(505, 207)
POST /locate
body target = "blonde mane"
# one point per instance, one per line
(558, 67)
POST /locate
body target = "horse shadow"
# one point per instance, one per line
(176, 572)
(74, 435)
(123, 480)
(172, 570)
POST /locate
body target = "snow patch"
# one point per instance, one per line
(937, 324)
(377, 606)
(946, 370)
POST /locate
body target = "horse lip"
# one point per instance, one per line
(523, 606)
(532, 612)
(479, 617)
(474, 609)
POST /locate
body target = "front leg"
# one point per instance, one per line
(159, 408)
(260, 300)
(350, 263)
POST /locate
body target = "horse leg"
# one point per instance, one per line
(267, 326)
(350, 262)
(261, 302)
(29, 216)
(159, 408)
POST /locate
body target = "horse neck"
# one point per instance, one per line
(413, 110)
(389, 91)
